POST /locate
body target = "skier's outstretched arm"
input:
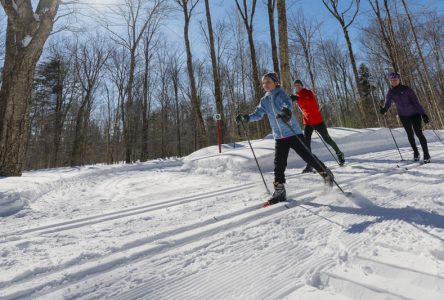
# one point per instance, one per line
(258, 113)
(387, 104)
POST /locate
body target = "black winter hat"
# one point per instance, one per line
(298, 81)
(273, 76)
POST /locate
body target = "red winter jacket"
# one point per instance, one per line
(307, 102)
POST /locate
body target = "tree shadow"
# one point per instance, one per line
(410, 215)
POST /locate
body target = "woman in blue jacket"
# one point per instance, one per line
(276, 104)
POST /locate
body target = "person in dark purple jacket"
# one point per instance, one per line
(410, 112)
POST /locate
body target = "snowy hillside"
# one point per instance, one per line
(193, 228)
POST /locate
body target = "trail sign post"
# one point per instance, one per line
(218, 118)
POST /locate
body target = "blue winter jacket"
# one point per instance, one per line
(271, 104)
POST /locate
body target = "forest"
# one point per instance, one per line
(87, 83)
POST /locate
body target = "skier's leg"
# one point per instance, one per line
(301, 149)
(280, 160)
(417, 127)
(280, 164)
(322, 129)
(408, 126)
(308, 131)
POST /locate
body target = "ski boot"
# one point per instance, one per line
(427, 159)
(328, 178)
(416, 157)
(341, 158)
(279, 194)
(308, 169)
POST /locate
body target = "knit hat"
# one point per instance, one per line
(298, 81)
(273, 76)
(394, 75)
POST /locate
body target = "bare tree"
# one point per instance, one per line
(434, 36)
(26, 34)
(64, 92)
(304, 32)
(90, 60)
(117, 68)
(150, 42)
(283, 46)
(163, 86)
(271, 6)
(188, 7)
(138, 15)
(434, 99)
(247, 17)
(385, 34)
(175, 69)
(333, 8)
(214, 64)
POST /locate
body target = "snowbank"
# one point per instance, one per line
(10, 203)
(17, 192)
(235, 159)
(350, 141)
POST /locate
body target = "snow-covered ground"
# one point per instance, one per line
(193, 228)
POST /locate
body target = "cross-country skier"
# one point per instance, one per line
(313, 120)
(276, 104)
(410, 112)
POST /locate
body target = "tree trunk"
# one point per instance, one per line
(59, 114)
(201, 131)
(178, 124)
(340, 17)
(15, 105)
(25, 38)
(426, 69)
(216, 79)
(129, 133)
(145, 106)
(283, 47)
(353, 62)
(271, 7)
(248, 22)
(77, 148)
(385, 36)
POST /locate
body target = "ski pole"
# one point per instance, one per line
(320, 137)
(313, 156)
(436, 135)
(385, 120)
(257, 163)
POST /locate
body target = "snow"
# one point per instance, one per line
(193, 228)
(26, 40)
(36, 17)
(10, 203)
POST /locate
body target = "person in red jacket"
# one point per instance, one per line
(313, 120)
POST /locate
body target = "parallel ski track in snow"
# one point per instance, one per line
(110, 216)
(350, 244)
(142, 209)
(242, 217)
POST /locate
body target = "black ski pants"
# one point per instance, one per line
(282, 148)
(321, 128)
(413, 124)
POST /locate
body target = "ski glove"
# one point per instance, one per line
(425, 118)
(382, 110)
(294, 98)
(242, 118)
(285, 115)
